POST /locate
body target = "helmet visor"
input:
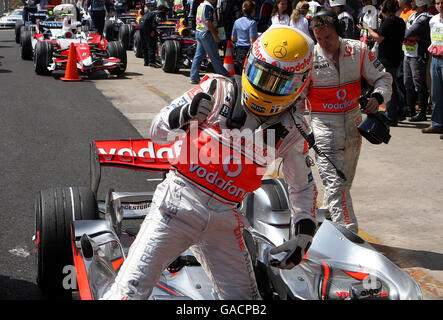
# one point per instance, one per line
(271, 79)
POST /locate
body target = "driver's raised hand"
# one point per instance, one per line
(199, 109)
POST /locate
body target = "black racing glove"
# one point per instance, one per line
(198, 109)
(297, 247)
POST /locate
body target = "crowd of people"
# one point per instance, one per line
(397, 32)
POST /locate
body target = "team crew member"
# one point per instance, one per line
(97, 9)
(436, 51)
(195, 206)
(207, 38)
(29, 6)
(406, 9)
(149, 35)
(350, 30)
(390, 38)
(415, 63)
(333, 97)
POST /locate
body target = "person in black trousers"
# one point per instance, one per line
(98, 10)
(390, 37)
(149, 35)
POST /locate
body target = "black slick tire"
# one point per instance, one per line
(137, 48)
(115, 49)
(42, 57)
(26, 45)
(54, 210)
(170, 52)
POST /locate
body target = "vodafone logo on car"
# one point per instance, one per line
(144, 151)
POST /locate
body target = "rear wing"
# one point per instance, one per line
(139, 154)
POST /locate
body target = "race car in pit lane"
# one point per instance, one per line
(178, 52)
(89, 236)
(29, 25)
(163, 29)
(50, 49)
(176, 46)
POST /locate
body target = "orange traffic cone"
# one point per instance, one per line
(71, 73)
(228, 63)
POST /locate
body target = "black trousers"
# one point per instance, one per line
(239, 58)
(98, 20)
(394, 107)
(148, 38)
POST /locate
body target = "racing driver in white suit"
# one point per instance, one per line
(333, 99)
(195, 206)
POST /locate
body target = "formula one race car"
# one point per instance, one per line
(177, 52)
(76, 233)
(93, 53)
(29, 25)
(178, 49)
(51, 26)
(50, 46)
(164, 29)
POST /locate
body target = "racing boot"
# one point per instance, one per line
(423, 104)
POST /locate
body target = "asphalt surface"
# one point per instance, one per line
(47, 124)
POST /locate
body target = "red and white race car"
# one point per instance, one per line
(93, 53)
(49, 46)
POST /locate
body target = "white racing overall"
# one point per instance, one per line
(195, 206)
(333, 100)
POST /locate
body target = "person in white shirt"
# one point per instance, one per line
(280, 13)
(298, 17)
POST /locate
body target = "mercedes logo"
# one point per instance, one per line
(280, 52)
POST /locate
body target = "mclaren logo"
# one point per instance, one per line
(280, 52)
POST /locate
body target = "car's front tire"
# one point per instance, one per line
(170, 52)
(115, 49)
(18, 30)
(26, 45)
(42, 57)
(137, 48)
(54, 210)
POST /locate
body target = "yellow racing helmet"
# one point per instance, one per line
(276, 70)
